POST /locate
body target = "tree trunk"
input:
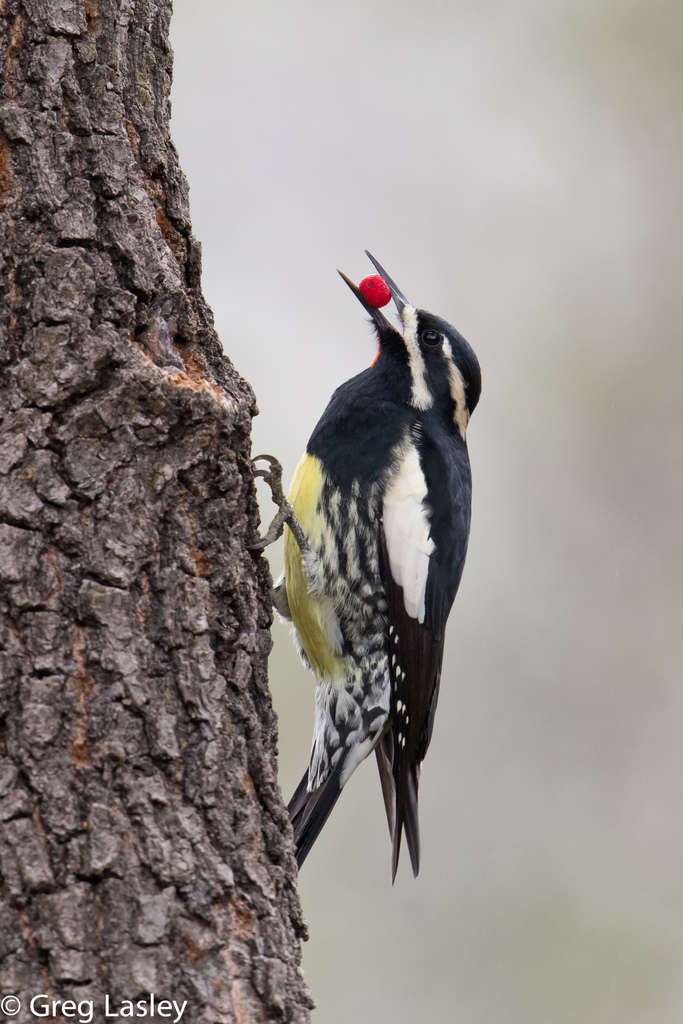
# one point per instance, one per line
(145, 847)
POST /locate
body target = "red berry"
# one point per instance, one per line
(374, 290)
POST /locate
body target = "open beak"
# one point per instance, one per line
(377, 315)
(397, 295)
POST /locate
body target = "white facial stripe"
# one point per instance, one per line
(406, 528)
(421, 397)
(461, 415)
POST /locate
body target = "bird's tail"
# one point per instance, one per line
(309, 810)
(399, 789)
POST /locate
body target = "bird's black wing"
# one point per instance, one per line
(422, 553)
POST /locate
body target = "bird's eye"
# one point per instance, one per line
(431, 338)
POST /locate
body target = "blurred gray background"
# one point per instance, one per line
(517, 169)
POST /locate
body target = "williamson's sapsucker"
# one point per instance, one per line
(383, 496)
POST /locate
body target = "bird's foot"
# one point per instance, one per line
(273, 477)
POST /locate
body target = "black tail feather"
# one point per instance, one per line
(406, 819)
(298, 800)
(411, 823)
(399, 780)
(398, 829)
(308, 811)
(385, 756)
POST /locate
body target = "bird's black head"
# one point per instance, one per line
(442, 368)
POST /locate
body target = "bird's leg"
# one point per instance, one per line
(273, 477)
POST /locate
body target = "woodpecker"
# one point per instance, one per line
(382, 495)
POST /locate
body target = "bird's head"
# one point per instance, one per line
(440, 367)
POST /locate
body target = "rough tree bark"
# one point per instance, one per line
(144, 845)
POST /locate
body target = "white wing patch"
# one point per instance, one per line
(406, 528)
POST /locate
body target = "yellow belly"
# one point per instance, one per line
(308, 613)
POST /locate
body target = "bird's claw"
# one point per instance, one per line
(285, 514)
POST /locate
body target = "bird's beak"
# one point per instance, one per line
(397, 295)
(377, 315)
